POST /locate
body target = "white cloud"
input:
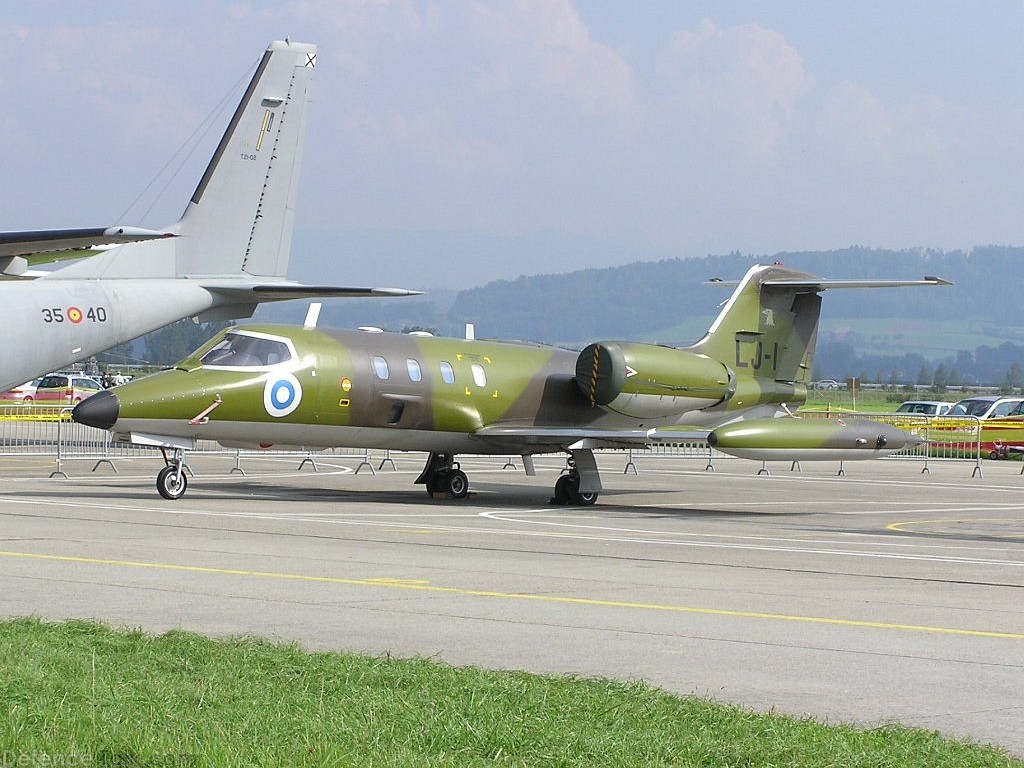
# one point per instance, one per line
(740, 85)
(540, 50)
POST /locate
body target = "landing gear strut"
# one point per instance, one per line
(442, 475)
(567, 488)
(171, 481)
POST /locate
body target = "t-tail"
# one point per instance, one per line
(767, 331)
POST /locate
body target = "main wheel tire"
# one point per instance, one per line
(571, 492)
(431, 485)
(457, 484)
(563, 487)
(171, 483)
(581, 499)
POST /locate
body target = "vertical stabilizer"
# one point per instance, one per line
(240, 218)
(769, 326)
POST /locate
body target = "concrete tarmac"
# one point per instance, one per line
(885, 595)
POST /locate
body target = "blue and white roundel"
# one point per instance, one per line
(282, 394)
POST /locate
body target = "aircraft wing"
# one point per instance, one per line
(20, 250)
(561, 437)
(49, 240)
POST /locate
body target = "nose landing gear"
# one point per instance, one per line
(171, 481)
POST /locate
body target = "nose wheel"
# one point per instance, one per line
(171, 482)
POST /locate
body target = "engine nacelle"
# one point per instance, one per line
(647, 381)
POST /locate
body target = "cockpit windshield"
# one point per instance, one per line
(242, 350)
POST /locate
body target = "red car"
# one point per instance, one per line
(25, 393)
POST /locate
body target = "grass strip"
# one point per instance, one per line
(80, 693)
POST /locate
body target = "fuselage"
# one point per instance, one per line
(272, 385)
(59, 321)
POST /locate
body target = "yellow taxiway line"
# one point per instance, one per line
(425, 586)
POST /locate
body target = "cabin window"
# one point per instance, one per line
(242, 350)
(447, 372)
(413, 366)
(479, 375)
(380, 367)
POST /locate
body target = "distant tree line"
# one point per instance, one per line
(645, 297)
(1001, 366)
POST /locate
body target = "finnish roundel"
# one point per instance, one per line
(282, 394)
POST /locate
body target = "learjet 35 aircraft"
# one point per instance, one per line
(228, 252)
(266, 385)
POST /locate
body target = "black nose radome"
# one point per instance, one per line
(100, 411)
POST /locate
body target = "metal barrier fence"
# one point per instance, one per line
(39, 430)
(48, 431)
(688, 450)
(964, 439)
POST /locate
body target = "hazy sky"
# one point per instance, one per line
(454, 142)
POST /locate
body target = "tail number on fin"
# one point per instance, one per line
(750, 353)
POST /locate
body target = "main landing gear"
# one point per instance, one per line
(567, 487)
(579, 485)
(171, 481)
(442, 475)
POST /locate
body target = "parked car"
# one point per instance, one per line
(927, 407)
(65, 388)
(24, 393)
(986, 406)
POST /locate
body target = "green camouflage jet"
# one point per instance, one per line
(265, 385)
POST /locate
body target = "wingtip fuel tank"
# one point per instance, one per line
(810, 439)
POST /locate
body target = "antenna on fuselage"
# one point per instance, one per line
(470, 332)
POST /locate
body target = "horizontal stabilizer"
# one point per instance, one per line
(823, 285)
(286, 291)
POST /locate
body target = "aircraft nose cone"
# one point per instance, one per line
(100, 411)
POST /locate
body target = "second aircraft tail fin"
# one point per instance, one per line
(240, 217)
(238, 223)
